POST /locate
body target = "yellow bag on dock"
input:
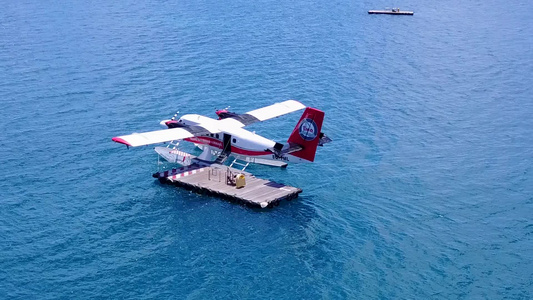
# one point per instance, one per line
(240, 181)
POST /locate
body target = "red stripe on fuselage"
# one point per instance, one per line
(248, 152)
(219, 145)
(206, 141)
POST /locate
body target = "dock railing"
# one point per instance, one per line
(214, 174)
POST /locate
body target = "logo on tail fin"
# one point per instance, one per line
(308, 129)
(306, 134)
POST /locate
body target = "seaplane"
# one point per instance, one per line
(225, 137)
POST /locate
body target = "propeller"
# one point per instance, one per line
(175, 115)
(227, 107)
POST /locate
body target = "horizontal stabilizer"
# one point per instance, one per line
(284, 149)
(324, 139)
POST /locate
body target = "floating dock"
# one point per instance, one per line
(391, 12)
(219, 180)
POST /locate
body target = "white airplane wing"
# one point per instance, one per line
(276, 110)
(265, 113)
(153, 137)
(207, 125)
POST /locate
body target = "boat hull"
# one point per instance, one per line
(389, 12)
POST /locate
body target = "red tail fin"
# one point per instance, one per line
(307, 133)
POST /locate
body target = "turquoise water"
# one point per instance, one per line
(425, 193)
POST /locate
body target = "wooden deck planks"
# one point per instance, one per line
(257, 192)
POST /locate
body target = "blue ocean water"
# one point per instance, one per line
(425, 193)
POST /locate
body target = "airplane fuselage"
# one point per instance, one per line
(227, 136)
(244, 145)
